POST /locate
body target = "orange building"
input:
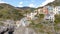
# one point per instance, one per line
(45, 10)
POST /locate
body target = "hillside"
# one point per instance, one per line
(55, 3)
(9, 12)
(26, 9)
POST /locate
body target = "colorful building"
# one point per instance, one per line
(45, 10)
(49, 13)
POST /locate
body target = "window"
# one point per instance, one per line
(50, 8)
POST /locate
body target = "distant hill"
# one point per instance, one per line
(25, 8)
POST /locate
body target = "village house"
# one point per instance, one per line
(31, 16)
(49, 13)
(57, 9)
(40, 10)
(45, 10)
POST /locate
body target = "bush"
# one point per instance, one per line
(41, 15)
(11, 14)
(1, 7)
(57, 19)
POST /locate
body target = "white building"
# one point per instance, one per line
(57, 9)
(39, 10)
(49, 17)
(31, 15)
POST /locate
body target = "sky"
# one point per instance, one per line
(29, 3)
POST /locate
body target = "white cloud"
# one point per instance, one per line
(2, 1)
(20, 3)
(46, 2)
(31, 5)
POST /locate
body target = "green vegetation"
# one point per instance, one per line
(55, 3)
(45, 26)
(57, 19)
(40, 16)
(12, 14)
(57, 28)
(9, 12)
(41, 27)
(32, 22)
(36, 27)
(1, 7)
(57, 23)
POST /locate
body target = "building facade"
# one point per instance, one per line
(39, 10)
(45, 10)
(57, 9)
(49, 13)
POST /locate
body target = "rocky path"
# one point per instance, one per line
(24, 30)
